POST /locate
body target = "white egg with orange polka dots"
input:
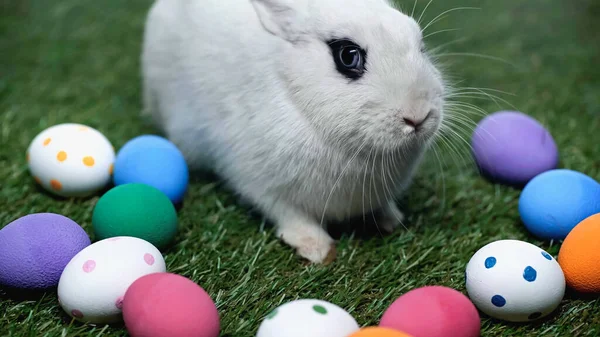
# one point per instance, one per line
(71, 160)
(92, 285)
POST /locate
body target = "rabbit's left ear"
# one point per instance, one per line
(283, 18)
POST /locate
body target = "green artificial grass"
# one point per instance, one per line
(78, 61)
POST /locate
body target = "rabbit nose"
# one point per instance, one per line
(416, 121)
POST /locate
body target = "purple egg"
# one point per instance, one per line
(36, 248)
(512, 148)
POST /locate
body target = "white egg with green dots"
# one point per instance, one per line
(308, 317)
(514, 281)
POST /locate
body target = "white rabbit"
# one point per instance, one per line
(313, 110)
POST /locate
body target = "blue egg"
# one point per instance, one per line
(554, 202)
(154, 161)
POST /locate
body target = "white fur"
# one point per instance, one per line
(249, 89)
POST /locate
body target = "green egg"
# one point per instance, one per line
(137, 210)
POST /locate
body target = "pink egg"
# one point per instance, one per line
(165, 304)
(433, 311)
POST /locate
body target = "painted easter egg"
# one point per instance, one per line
(514, 281)
(35, 249)
(554, 202)
(154, 161)
(165, 304)
(433, 311)
(579, 256)
(137, 210)
(308, 317)
(511, 147)
(93, 284)
(71, 160)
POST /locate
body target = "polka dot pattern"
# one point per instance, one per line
(547, 256)
(149, 259)
(88, 161)
(529, 274)
(94, 283)
(498, 301)
(490, 262)
(76, 313)
(515, 281)
(61, 156)
(66, 153)
(119, 303)
(89, 266)
(320, 309)
(56, 185)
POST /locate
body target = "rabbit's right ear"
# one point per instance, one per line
(283, 18)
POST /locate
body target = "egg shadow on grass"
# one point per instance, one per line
(512, 184)
(66, 319)
(19, 294)
(179, 205)
(495, 181)
(361, 227)
(23, 295)
(574, 295)
(39, 189)
(527, 324)
(366, 226)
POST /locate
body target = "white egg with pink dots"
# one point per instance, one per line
(71, 160)
(92, 286)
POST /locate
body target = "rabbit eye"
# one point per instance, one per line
(349, 58)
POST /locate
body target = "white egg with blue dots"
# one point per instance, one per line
(514, 281)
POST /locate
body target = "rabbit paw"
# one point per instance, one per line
(310, 241)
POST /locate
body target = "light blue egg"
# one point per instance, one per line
(154, 161)
(554, 202)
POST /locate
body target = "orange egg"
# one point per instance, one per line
(579, 256)
(379, 332)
